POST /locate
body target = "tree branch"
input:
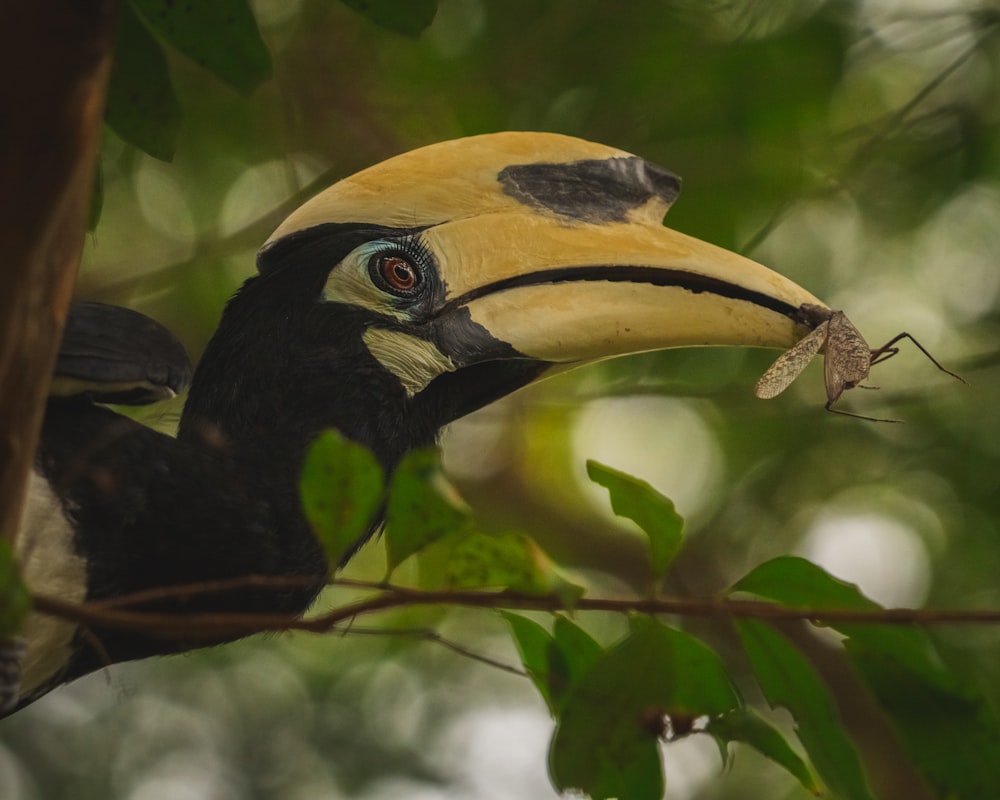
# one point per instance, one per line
(215, 626)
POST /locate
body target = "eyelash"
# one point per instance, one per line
(408, 249)
(413, 247)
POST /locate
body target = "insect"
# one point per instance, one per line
(847, 358)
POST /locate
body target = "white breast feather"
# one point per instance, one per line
(49, 565)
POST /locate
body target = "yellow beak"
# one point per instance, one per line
(569, 292)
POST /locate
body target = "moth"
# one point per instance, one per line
(847, 358)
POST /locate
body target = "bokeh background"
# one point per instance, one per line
(852, 146)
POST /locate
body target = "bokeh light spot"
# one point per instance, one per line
(659, 439)
(884, 557)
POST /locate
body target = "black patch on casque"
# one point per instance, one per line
(596, 190)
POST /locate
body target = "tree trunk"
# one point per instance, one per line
(55, 57)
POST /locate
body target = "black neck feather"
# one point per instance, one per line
(221, 500)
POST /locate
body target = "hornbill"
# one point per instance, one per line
(394, 302)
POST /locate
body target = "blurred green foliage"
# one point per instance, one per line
(853, 147)
(15, 601)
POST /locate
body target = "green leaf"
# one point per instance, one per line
(636, 500)
(418, 512)
(505, 561)
(479, 560)
(798, 583)
(788, 679)
(540, 655)
(220, 35)
(744, 725)
(15, 601)
(409, 17)
(580, 652)
(605, 742)
(942, 722)
(554, 662)
(142, 107)
(341, 489)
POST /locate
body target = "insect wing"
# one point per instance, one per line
(790, 364)
(848, 357)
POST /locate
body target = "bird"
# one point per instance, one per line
(392, 303)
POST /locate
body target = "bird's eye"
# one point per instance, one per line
(395, 273)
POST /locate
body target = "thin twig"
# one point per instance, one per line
(898, 117)
(432, 636)
(892, 123)
(97, 645)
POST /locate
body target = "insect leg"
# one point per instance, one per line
(883, 353)
(829, 407)
(877, 354)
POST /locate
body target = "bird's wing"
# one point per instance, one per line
(116, 355)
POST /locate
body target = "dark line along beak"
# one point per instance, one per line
(571, 292)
